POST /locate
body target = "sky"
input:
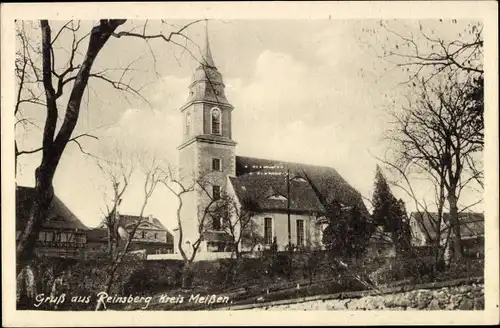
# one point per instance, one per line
(308, 91)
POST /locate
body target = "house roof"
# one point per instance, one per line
(379, 236)
(471, 224)
(130, 220)
(100, 233)
(127, 220)
(59, 217)
(259, 179)
(97, 234)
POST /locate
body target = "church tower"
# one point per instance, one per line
(207, 151)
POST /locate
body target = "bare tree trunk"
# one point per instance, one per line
(187, 275)
(44, 193)
(54, 145)
(455, 226)
(108, 283)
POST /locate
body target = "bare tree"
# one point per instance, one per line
(421, 52)
(117, 169)
(236, 221)
(433, 51)
(125, 231)
(71, 80)
(431, 222)
(433, 135)
(28, 91)
(181, 188)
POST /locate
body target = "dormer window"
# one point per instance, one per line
(277, 197)
(216, 121)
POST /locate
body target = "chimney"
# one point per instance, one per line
(150, 218)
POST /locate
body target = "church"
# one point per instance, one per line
(289, 199)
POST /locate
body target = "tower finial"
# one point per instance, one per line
(207, 54)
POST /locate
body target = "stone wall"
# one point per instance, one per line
(462, 297)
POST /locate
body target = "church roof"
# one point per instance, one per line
(59, 217)
(207, 54)
(207, 83)
(270, 193)
(256, 179)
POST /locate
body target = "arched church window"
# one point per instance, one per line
(216, 121)
(188, 124)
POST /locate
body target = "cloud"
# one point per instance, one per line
(156, 129)
(294, 111)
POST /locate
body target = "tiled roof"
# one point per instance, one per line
(59, 217)
(264, 189)
(471, 224)
(259, 178)
(97, 234)
(128, 220)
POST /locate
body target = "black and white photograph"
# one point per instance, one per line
(211, 158)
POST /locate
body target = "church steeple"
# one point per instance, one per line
(207, 84)
(207, 110)
(207, 151)
(207, 54)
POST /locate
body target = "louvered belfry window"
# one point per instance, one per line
(216, 125)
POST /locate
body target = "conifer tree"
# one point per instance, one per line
(390, 213)
(347, 233)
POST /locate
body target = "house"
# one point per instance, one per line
(381, 244)
(151, 236)
(424, 228)
(62, 234)
(290, 198)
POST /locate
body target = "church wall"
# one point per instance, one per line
(197, 118)
(206, 152)
(187, 170)
(280, 228)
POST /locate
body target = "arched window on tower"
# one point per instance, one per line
(188, 124)
(216, 121)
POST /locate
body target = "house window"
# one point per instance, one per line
(300, 232)
(143, 234)
(268, 231)
(156, 235)
(216, 224)
(216, 192)
(80, 238)
(41, 236)
(70, 237)
(49, 236)
(216, 164)
(216, 121)
(64, 237)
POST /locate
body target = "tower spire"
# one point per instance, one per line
(207, 54)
